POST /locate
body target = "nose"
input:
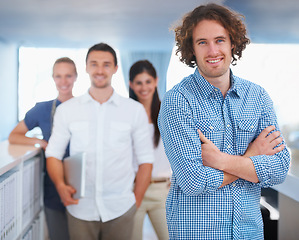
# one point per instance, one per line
(63, 80)
(99, 69)
(143, 86)
(213, 49)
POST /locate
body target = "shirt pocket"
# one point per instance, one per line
(120, 134)
(246, 132)
(79, 136)
(212, 129)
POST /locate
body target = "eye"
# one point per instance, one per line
(201, 42)
(220, 40)
(107, 65)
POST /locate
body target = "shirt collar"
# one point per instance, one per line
(206, 89)
(236, 85)
(114, 99)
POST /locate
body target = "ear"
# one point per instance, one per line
(115, 69)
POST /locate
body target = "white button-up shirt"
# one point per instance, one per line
(109, 134)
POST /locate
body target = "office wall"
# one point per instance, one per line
(8, 88)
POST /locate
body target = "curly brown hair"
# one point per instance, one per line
(230, 20)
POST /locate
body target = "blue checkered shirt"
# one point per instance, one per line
(196, 207)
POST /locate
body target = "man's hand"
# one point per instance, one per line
(211, 155)
(265, 143)
(142, 181)
(241, 166)
(56, 173)
(65, 192)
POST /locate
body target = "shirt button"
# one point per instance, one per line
(228, 146)
(211, 127)
(228, 125)
(251, 127)
(234, 184)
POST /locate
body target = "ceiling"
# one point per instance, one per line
(132, 24)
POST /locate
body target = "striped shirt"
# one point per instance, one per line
(196, 207)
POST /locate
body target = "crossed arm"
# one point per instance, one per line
(235, 167)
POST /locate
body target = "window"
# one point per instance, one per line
(35, 75)
(273, 66)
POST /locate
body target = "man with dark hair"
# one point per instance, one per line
(220, 134)
(110, 129)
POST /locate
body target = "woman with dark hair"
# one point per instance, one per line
(143, 88)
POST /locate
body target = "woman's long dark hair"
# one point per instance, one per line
(141, 67)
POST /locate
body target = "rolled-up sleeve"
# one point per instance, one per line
(142, 141)
(60, 135)
(271, 170)
(183, 147)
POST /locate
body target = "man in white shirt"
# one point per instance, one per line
(110, 129)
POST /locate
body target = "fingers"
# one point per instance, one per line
(273, 136)
(278, 149)
(66, 195)
(72, 190)
(202, 137)
(276, 142)
(69, 200)
(266, 131)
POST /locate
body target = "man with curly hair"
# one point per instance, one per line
(220, 134)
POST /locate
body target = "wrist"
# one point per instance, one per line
(60, 185)
(224, 161)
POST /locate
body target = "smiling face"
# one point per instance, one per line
(100, 66)
(212, 49)
(144, 86)
(64, 75)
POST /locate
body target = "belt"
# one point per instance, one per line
(159, 180)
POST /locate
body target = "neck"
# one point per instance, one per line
(63, 98)
(222, 82)
(101, 95)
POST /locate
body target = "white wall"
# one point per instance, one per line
(8, 88)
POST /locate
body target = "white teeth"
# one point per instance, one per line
(214, 61)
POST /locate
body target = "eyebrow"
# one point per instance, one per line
(204, 39)
(105, 62)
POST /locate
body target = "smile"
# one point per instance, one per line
(214, 61)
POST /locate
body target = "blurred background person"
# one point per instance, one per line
(110, 129)
(143, 88)
(41, 115)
